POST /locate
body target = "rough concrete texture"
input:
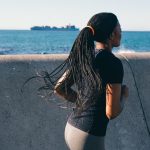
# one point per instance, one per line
(29, 122)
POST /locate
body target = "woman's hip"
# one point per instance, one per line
(77, 139)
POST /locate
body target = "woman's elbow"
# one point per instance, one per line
(112, 115)
(58, 90)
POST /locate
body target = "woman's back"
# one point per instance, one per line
(93, 119)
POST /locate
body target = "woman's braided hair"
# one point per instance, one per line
(80, 61)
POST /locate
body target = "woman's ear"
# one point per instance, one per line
(112, 36)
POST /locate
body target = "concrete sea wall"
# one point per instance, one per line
(30, 122)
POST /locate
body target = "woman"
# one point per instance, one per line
(98, 75)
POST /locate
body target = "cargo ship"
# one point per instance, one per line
(48, 28)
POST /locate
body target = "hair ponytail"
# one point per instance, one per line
(80, 64)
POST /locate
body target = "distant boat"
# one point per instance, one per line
(48, 28)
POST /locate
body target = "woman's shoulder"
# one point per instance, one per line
(107, 63)
(110, 67)
(107, 57)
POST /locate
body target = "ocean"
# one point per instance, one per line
(57, 42)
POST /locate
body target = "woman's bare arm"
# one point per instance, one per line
(63, 87)
(115, 94)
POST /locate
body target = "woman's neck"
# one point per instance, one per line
(103, 46)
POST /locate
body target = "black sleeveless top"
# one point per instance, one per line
(94, 120)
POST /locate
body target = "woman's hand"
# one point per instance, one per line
(124, 91)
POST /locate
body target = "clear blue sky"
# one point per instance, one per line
(22, 14)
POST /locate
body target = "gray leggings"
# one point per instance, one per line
(77, 139)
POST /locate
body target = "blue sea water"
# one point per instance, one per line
(48, 42)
